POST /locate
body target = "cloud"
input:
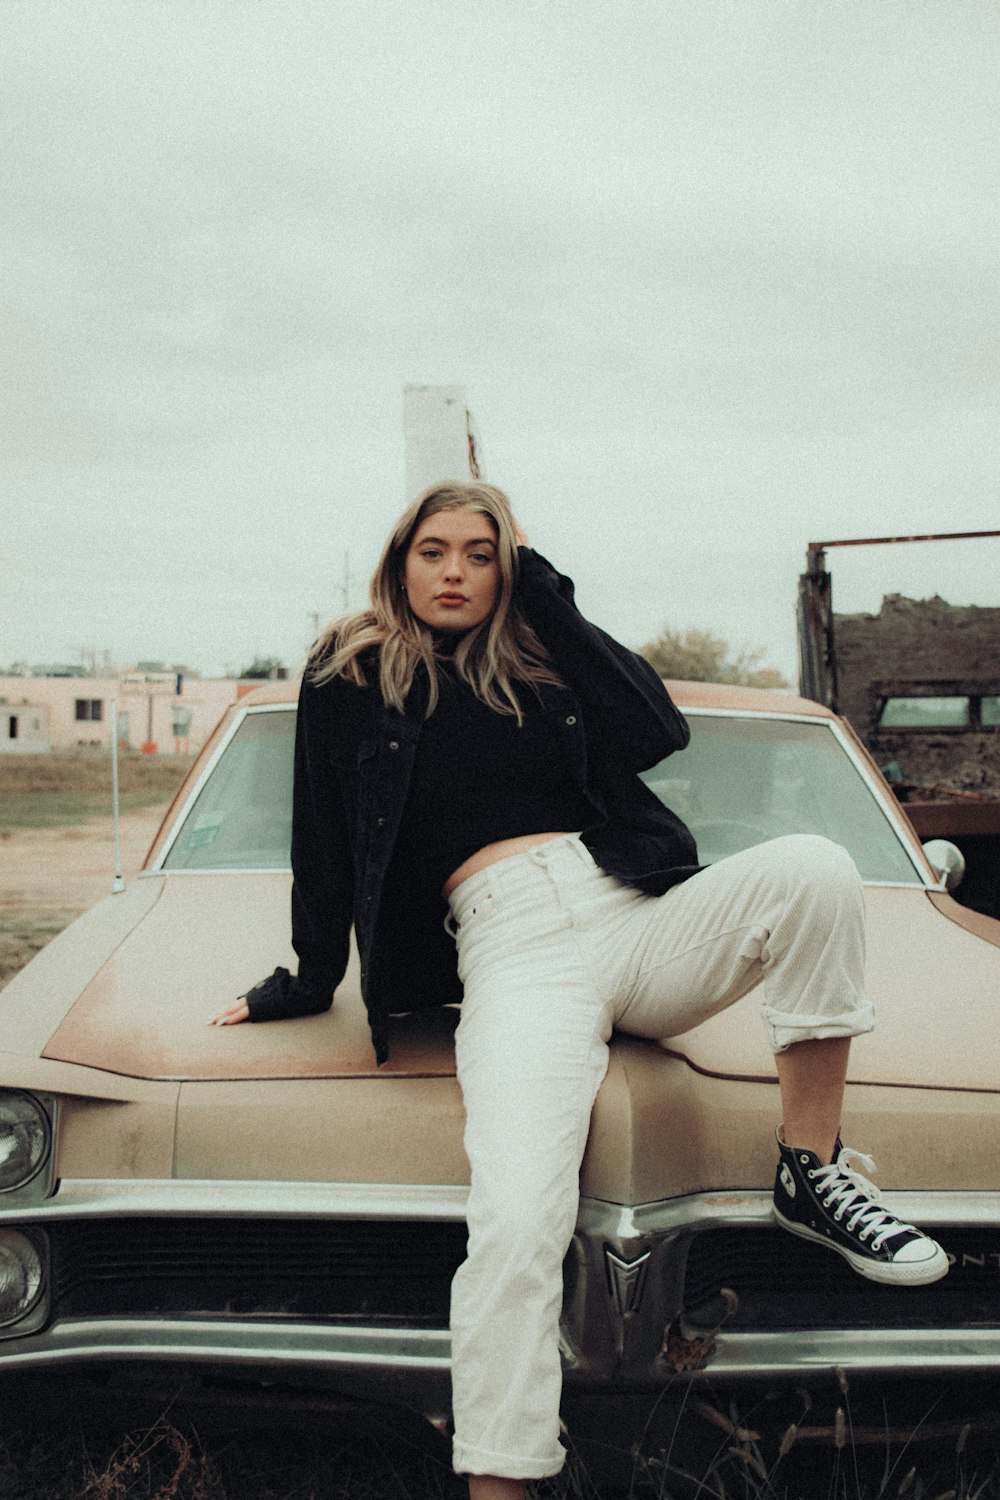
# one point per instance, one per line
(717, 278)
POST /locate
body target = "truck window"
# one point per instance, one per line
(925, 713)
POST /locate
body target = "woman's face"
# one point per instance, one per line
(451, 574)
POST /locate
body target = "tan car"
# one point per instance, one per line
(264, 1200)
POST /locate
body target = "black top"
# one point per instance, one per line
(355, 757)
(479, 776)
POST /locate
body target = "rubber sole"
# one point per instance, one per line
(888, 1273)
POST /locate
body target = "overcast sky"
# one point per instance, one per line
(718, 279)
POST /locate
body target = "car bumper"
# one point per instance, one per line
(694, 1288)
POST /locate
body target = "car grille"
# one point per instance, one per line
(782, 1282)
(394, 1272)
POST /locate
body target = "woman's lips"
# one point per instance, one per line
(451, 599)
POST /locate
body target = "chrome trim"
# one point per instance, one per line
(894, 885)
(239, 714)
(219, 870)
(886, 801)
(947, 860)
(626, 1279)
(748, 1356)
(91, 1198)
(426, 1353)
(205, 1340)
(705, 711)
(752, 1209)
(285, 870)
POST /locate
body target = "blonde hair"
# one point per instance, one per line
(489, 658)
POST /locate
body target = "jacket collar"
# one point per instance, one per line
(554, 698)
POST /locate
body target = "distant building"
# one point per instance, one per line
(24, 724)
(59, 669)
(163, 711)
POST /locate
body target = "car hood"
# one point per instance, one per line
(203, 941)
(934, 983)
(200, 941)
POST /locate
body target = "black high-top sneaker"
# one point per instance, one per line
(837, 1207)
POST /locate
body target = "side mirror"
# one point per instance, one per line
(948, 862)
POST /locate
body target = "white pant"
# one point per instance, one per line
(553, 954)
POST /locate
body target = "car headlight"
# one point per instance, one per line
(25, 1138)
(22, 1275)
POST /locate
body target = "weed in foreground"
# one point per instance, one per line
(710, 1448)
(715, 1453)
(162, 1463)
(170, 1460)
(829, 1465)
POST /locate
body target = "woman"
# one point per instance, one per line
(473, 740)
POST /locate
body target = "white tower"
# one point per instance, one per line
(441, 440)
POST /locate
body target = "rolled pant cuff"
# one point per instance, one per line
(786, 1028)
(467, 1459)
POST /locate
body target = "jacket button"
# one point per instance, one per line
(393, 744)
(379, 822)
(571, 719)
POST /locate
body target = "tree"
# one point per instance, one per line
(264, 668)
(699, 656)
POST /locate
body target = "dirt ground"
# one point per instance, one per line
(48, 876)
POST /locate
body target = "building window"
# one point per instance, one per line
(12, 727)
(90, 710)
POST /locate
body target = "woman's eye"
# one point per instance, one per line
(430, 553)
(481, 557)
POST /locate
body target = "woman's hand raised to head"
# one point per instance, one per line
(232, 1015)
(522, 540)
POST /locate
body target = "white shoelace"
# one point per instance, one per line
(843, 1189)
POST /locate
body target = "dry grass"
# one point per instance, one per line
(49, 791)
(703, 1451)
(24, 934)
(169, 1460)
(48, 808)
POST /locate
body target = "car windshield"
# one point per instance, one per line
(242, 817)
(742, 780)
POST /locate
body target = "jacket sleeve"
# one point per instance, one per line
(322, 874)
(629, 715)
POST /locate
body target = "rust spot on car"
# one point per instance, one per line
(685, 1354)
(687, 1347)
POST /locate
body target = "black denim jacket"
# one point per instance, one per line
(353, 760)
